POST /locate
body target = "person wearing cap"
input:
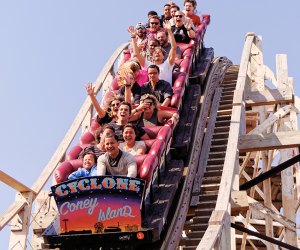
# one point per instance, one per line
(141, 35)
(89, 167)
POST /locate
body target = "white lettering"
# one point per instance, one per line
(125, 211)
(89, 204)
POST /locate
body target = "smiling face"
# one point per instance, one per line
(162, 38)
(152, 44)
(173, 11)
(88, 161)
(140, 31)
(115, 106)
(129, 135)
(123, 113)
(167, 11)
(154, 24)
(111, 146)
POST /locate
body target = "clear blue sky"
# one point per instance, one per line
(50, 49)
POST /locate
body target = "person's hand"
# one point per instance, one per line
(174, 119)
(131, 31)
(127, 82)
(167, 25)
(142, 106)
(188, 24)
(141, 45)
(89, 88)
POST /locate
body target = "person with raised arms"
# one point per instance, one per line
(165, 66)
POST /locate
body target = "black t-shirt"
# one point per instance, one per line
(104, 120)
(135, 90)
(181, 34)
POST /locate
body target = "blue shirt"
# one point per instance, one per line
(82, 172)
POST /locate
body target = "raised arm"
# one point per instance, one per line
(188, 25)
(134, 45)
(90, 91)
(172, 53)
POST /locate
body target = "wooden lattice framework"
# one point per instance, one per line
(263, 133)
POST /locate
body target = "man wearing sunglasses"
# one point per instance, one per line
(154, 26)
(183, 31)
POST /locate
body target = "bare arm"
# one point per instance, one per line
(172, 53)
(189, 29)
(164, 115)
(135, 47)
(166, 102)
(90, 91)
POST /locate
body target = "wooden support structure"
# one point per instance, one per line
(270, 141)
(271, 134)
(272, 172)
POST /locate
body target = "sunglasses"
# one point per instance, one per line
(180, 16)
(154, 23)
(115, 104)
(141, 28)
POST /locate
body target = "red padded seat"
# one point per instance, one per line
(146, 166)
(74, 152)
(87, 138)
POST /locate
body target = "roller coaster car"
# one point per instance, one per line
(117, 211)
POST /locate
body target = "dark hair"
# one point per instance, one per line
(175, 6)
(154, 17)
(153, 66)
(89, 152)
(130, 125)
(190, 1)
(149, 97)
(167, 4)
(127, 104)
(115, 98)
(163, 31)
(152, 39)
(107, 126)
(112, 135)
(152, 13)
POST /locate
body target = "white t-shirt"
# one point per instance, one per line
(132, 151)
(165, 70)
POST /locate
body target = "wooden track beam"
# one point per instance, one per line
(277, 140)
(268, 97)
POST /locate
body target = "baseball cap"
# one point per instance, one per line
(140, 25)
